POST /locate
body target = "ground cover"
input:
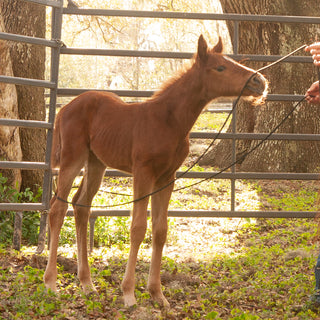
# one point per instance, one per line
(212, 268)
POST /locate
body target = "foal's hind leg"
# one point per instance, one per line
(89, 187)
(160, 202)
(56, 217)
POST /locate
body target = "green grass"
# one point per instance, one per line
(297, 201)
(209, 121)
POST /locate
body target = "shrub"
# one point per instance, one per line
(31, 220)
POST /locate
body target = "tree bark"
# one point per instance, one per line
(10, 149)
(285, 78)
(28, 61)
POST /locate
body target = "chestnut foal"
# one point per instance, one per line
(149, 140)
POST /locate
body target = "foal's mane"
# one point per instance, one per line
(175, 80)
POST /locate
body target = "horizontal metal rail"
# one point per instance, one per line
(233, 175)
(71, 92)
(285, 97)
(22, 207)
(191, 16)
(174, 55)
(224, 175)
(24, 165)
(206, 213)
(256, 136)
(31, 40)
(27, 82)
(192, 174)
(50, 3)
(126, 53)
(171, 213)
(25, 123)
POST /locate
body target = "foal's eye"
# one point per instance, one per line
(221, 68)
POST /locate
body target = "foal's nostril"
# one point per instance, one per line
(257, 84)
(257, 80)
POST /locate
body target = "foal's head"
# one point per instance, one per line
(223, 76)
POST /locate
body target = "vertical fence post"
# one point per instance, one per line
(16, 241)
(54, 74)
(233, 156)
(235, 46)
(56, 27)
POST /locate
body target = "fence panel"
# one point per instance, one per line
(55, 46)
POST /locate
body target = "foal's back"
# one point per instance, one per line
(118, 133)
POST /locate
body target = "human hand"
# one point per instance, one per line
(314, 49)
(313, 94)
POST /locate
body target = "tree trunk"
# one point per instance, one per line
(10, 149)
(28, 61)
(285, 78)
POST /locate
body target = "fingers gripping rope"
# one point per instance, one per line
(211, 144)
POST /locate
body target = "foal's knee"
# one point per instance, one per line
(137, 233)
(81, 214)
(160, 234)
(57, 214)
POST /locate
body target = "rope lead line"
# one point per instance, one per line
(210, 145)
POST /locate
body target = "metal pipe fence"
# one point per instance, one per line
(233, 176)
(57, 48)
(52, 85)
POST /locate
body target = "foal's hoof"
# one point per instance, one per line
(51, 290)
(129, 300)
(51, 286)
(92, 294)
(89, 290)
(162, 301)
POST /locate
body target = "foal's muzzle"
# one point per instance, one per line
(257, 84)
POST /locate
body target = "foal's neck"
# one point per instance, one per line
(183, 98)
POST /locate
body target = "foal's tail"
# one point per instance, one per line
(56, 144)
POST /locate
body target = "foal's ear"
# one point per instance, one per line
(218, 48)
(202, 56)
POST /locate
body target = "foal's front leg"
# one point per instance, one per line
(160, 202)
(137, 233)
(142, 186)
(82, 218)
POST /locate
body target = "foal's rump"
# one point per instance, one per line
(94, 121)
(69, 133)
